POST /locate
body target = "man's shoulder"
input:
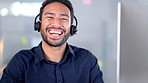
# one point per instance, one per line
(81, 51)
(26, 53)
(84, 55)
(76, 48)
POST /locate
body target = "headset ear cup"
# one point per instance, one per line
(73, 30)
(37, 26)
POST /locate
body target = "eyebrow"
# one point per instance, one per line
(49, 13)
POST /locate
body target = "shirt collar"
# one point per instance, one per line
(69, 49)
(39, 54)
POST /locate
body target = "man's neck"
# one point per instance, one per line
(54, 54)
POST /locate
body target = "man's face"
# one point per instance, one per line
(55, 24)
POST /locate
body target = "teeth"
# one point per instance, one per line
(55, 32)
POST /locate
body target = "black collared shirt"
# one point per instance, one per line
(30, 66)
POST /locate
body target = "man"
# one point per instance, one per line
(54, 60)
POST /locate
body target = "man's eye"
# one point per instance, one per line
(64, 19)
(49, 17)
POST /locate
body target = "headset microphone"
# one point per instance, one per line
(73, 28)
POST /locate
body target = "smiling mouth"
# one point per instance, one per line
(57, 32)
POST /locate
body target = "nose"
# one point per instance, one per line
(56, 23)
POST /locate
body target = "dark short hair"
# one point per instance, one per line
(65, 2)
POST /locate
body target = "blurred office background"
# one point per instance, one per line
(97, 31)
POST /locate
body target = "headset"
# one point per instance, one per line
(73, 28)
